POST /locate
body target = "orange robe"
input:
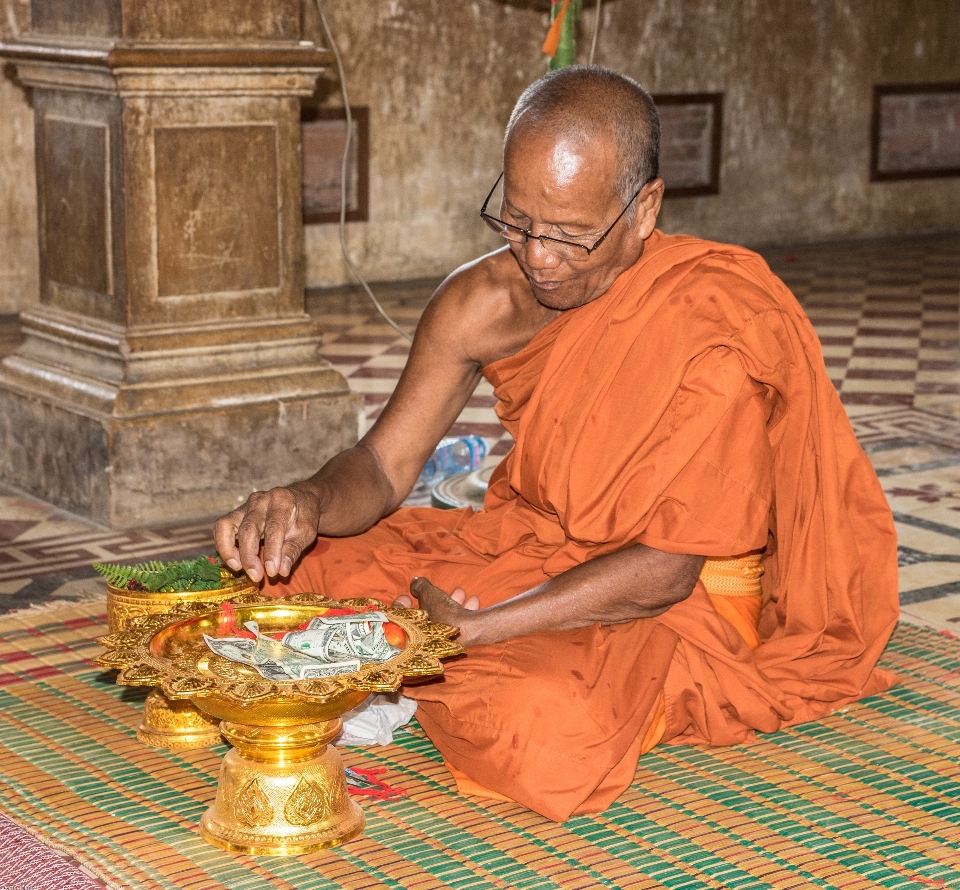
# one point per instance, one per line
(687, 409)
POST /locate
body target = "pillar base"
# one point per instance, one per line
(175, 467)
(188, 438)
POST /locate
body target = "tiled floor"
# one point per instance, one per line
(886, 312)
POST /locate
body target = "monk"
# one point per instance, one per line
(686, 543)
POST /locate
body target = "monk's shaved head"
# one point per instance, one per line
(589, 103)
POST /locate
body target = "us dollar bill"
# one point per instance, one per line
(351, 619)
(344, 637)
(273, 670)
(270, 657)
(235, 648)
(289, 670)
(329, 670)
(323, 649)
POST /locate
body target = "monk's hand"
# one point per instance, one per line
(455, 608)
(284, 519)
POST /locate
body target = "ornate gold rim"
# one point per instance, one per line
(129, 652)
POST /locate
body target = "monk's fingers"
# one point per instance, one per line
(225, 536)
(283, 520)
(289, 527)
(249, 533)
(459, 596)
(403, 602)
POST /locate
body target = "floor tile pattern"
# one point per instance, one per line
(887, 316)
(886, 313)
(46, 553)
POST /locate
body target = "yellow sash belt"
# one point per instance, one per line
(733, 584)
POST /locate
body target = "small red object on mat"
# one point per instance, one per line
(366, 782)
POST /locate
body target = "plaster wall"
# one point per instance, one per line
(798, 80)
(19, 263)
(440, 79)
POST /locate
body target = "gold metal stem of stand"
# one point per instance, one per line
(282, 791)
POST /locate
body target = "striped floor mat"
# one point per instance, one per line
(869, 797)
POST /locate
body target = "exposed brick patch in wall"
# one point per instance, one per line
(690, 142)
(916, 131)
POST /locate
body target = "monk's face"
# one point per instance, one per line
(564, 188)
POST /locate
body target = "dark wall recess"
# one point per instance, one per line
(690, 141)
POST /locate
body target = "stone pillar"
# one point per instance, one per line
(169, 368)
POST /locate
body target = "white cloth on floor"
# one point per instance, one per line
(373, 721)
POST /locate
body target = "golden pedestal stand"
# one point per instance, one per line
(166, 724)
(176, 725)
(282, 789)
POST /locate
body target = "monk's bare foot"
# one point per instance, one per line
(456, 609)
(459, 595)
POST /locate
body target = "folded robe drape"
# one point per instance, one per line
(687, 409)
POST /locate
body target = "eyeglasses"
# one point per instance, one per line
(567, 250)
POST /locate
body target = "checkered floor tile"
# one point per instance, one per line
(887, 316)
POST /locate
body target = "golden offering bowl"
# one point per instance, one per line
(282, 788)
(123, 604)
(166, 724)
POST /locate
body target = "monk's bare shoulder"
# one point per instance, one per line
(484, 310)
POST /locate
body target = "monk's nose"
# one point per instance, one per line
(537, 256)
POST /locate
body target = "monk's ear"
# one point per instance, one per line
(648, 208)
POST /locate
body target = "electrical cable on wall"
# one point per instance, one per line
(343, 177)
(346, 158)
(596, 31)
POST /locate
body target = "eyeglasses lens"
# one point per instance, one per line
(562, 249)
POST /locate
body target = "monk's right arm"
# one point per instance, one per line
(357, 487)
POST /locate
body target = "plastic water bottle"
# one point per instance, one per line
(454, 454)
